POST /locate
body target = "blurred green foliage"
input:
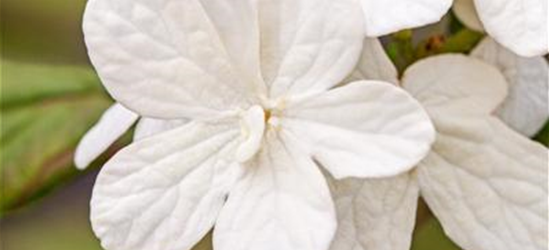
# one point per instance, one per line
(45, 110)
(406, 47)
(60, 222)
(43, 30)
(51, 225)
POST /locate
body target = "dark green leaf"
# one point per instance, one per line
(43, 31)
(430, 236)
(543, 135)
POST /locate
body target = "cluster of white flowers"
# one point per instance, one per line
(283, 125)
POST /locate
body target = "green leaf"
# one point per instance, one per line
(43, 31)
(463, 41)
(543, 135)
(44, 112)
(430, 236)
(401, 49)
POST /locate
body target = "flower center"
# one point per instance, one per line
(268, 114)
(254, 122)
(273, 109)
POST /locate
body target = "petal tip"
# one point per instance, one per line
(80, 162)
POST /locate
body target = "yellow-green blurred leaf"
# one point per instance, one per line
(43, 31)
(462, 42)
(430, 236)
(44, 112)
(59, 222)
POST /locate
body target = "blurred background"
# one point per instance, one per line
(50, 96)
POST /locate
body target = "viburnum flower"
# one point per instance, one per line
(380, 18)
(251, 87)
(519, 25)
(486, 183)
(525, 108)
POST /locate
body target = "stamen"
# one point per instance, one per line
(267, 115)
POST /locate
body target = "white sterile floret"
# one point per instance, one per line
(519, 25)
(486, 183)
(258, 82)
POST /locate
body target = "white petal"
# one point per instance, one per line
(308, 45)
(376, 213)
(526, 108)
(114, 123)
(164, 192)
(455, 84)
(147, 127)
(282, 203)
(174, 59)
(374, 64)
(384, 17)
(520, 25)
(487, 185)
(238, 27)
(466, 12)
(364, 129)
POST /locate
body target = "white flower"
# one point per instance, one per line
(520, 25)
(380, 18)
(257, 80)
(525, 109)
(486, 183)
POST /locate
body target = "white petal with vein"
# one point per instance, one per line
(375, 213)
(486, 183)
(147, 127)
(175, 59)
(164, 192)
(384, 17)
(364, 129)
(526, 109)
(308, 46)
(520, 25)
(455, 83)
(282, 203)
(374, 64)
